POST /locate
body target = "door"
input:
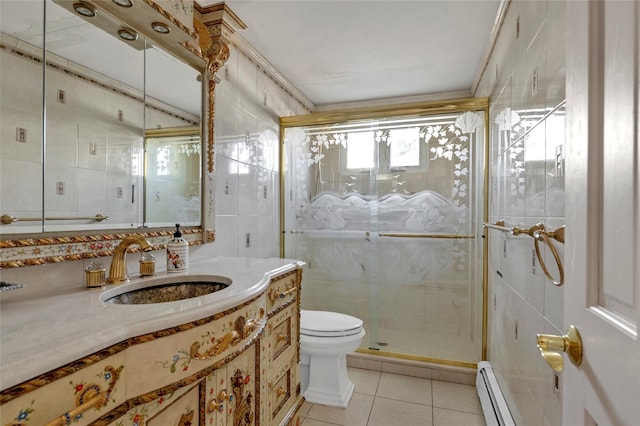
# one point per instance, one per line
(602, 294)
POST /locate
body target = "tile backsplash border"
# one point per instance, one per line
(39, 251)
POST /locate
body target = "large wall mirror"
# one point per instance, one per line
(97, 122)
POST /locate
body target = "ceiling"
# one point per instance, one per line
(341, 51)
(335, 52)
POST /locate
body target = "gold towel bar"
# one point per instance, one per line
(7, 219)
(557, 234)
(538, 233)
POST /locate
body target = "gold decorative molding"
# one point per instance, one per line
(242, 329)
(171, 18)
(380, 111)
(40, 251)
(214, 27)
(210, 125)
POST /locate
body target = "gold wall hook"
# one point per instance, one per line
(551, 347)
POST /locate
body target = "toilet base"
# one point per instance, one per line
(328, 382)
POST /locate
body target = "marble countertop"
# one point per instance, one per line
(42, 333)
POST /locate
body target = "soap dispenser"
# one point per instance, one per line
(177, 252)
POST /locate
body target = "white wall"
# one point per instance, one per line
(525, 79)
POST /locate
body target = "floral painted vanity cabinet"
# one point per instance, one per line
(234, 368)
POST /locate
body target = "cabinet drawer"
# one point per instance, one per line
(283, 388)
(282, 333)
(279, 394)
(70, 396)
(283, 289)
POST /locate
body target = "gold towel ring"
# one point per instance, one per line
(538, 235)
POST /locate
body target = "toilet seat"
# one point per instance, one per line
(328, 324)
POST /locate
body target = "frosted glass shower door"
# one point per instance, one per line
(387, 214)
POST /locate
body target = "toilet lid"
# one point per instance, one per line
(328, 324)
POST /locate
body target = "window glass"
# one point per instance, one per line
(404, 147)
(360, 150)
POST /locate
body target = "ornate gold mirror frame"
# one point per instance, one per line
(205, 47)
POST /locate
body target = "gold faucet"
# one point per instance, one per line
(118, 269)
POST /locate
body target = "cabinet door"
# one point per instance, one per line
(216, 398)
(242, 389)
(184, 411)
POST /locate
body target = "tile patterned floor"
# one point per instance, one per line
(386, 399)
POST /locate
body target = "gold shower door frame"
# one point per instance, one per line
(416, 109)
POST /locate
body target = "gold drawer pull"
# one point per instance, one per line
(280, 392)
(218, 404)
(281, 336)
(223, 395)
(213, 405)
(277, 294)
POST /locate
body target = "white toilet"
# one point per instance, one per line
(325, 340)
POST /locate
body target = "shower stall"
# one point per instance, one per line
(386, 208)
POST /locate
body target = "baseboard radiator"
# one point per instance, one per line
(495, 409)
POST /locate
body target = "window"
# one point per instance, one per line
(404, 147)
(360, 150)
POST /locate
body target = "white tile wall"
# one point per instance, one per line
(248, 104)
(527, 187)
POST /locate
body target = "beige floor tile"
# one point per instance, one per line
(365, 381)
(444, 417)
(356, 414)
(454, 396)
(389, 412)
(311, 422)
(304, 410)
(405, 388)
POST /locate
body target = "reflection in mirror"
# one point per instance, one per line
(172, 187)
(88, 160)
(21, 89)
(94, 122)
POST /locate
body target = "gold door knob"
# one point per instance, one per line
(552, 346)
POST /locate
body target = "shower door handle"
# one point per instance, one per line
(444, 236)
